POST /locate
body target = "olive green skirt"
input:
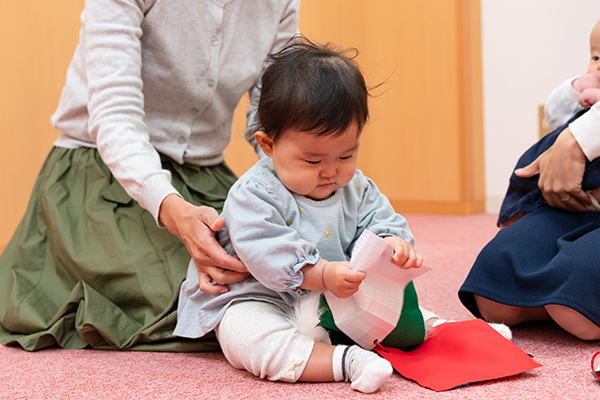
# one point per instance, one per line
(88, 266)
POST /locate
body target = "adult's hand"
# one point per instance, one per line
(561, 169)
(195, 227)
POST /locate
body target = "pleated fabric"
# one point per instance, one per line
(88, 267)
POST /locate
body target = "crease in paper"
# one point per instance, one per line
(374, 310)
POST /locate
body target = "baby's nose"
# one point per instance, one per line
(328, 171)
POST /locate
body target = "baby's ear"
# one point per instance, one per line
(265, 142)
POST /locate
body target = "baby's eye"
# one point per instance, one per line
(595, 58)
(345, 158)
(312, 162)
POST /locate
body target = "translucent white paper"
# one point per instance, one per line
(374, 311)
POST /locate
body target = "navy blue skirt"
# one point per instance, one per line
(549, 256)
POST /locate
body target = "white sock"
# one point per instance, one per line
(428, 315)
(431, 320)
(366, 370)
(502, 329)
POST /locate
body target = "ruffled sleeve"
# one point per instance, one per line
(256, 223)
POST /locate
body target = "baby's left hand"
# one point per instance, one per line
(404, 255)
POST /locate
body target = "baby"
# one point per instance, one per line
(565, 104)
(576, 94)
(293, 219)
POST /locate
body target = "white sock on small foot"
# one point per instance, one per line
(366, 370)
(440, 321)
(432, 320)
(502, 329)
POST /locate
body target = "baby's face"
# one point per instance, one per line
(594, 66)
(316, 166)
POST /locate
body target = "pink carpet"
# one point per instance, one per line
(449, 244)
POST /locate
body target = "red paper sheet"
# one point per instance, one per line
(459, 353)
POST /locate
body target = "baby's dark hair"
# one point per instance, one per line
(312, 88)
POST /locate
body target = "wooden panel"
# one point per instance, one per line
(414, 128)
(423, 145)
(335, 21)
(37, 39)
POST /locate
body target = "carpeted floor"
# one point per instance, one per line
(449, 244)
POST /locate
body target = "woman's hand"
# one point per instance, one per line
(405, 255)
(195, 227)
(561, 169)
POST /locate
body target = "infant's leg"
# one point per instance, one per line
(258, 337)
(365, 369)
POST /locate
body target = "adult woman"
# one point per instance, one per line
(145, 115)
(544, 265)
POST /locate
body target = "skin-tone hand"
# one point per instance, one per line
(195, 227)
(561, 169)
(589, 97)
(585, 82)
(405, 255)
(334, 276)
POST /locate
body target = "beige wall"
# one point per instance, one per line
(423, 145)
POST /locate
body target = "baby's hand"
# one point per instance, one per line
(341, 280)
(589, 97)
(404, 255)
(585, 82)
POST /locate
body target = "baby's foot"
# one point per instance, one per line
(432, 320)
(502, 329)
(366, 370)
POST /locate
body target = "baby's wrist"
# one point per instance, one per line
(323, 268)
(314, 276)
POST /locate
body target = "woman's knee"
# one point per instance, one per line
(573, 322)
(493, 311)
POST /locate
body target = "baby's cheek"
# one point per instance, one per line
(349, 175)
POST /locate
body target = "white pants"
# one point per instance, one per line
(260, 338)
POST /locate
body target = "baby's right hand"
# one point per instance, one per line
(341, 280)
(589, 97)
(585, 82)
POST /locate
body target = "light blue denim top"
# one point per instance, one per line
(276, 232)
